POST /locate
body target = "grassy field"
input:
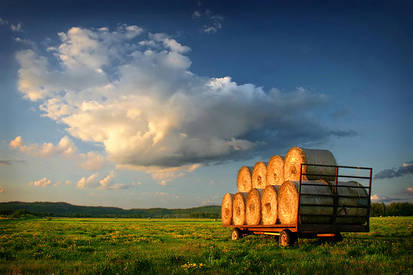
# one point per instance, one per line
(131, 246)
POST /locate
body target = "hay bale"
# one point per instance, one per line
(259, 175)
(226, 209)
(296, 156)
(269, 205)
(238, 210)
(244, 183)
(253, 207)
(360, 199)
(275, 170)
(288, 202)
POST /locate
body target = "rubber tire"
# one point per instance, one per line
(236, 234)
(285, 238)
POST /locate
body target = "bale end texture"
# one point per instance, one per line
(244, 183)
(226, 209)
(259, 175)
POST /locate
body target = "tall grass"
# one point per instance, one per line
(139, 246)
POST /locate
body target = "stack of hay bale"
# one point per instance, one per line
(268, 192)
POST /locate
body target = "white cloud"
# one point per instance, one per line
(13, 27)
(136, 95)
(213, 22)
(65, 147)
(93, 161)
(163, 175)
(41, 183)
(196, 14)
(106, 182)
(386, 199)
(16, 28)
(87, 182)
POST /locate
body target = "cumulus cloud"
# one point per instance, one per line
(106, 182)
(379, 198)
(162, 175)
(87, 182)
(93, 161)
(65, 147)
(135, 94)
(41, 183)
(405, 169)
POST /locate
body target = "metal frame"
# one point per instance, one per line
(333, 227)
(319, 230)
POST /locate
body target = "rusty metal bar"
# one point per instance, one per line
(298, 221)
(332, 176)
(278, 225)
(341, 166)
(369, 202)
(340, 196)
(338, 216)
(328, 228)
(335, 198)
(329, 205)
(317, 184)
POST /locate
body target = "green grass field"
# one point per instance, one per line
(172, 246)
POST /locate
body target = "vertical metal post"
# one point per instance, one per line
(368, 208)
(299, 196)
(335, 198)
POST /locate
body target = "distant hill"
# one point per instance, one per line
(63, 209)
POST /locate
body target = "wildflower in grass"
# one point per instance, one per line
(192, 266)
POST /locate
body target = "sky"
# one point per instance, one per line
(143, 104)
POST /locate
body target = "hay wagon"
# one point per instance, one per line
(343, 210)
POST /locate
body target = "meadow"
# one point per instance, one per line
(176, 246)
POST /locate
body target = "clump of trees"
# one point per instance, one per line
(392, 209)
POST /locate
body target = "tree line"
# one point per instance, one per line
(392, 209)
(42, 209)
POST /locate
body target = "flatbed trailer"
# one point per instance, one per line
(289, 233)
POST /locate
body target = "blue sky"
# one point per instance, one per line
(153, 103)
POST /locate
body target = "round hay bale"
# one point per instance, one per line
(238, 210)
(259, 175)
(360, 199)
(253, 207)
(244, 183)
(226, 209)
(321, 204)
(296, 156)
(275, 170)
(269, 205)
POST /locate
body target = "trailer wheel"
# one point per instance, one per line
(286, 238)
(236, 234)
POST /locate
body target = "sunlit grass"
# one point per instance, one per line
(130, 246)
